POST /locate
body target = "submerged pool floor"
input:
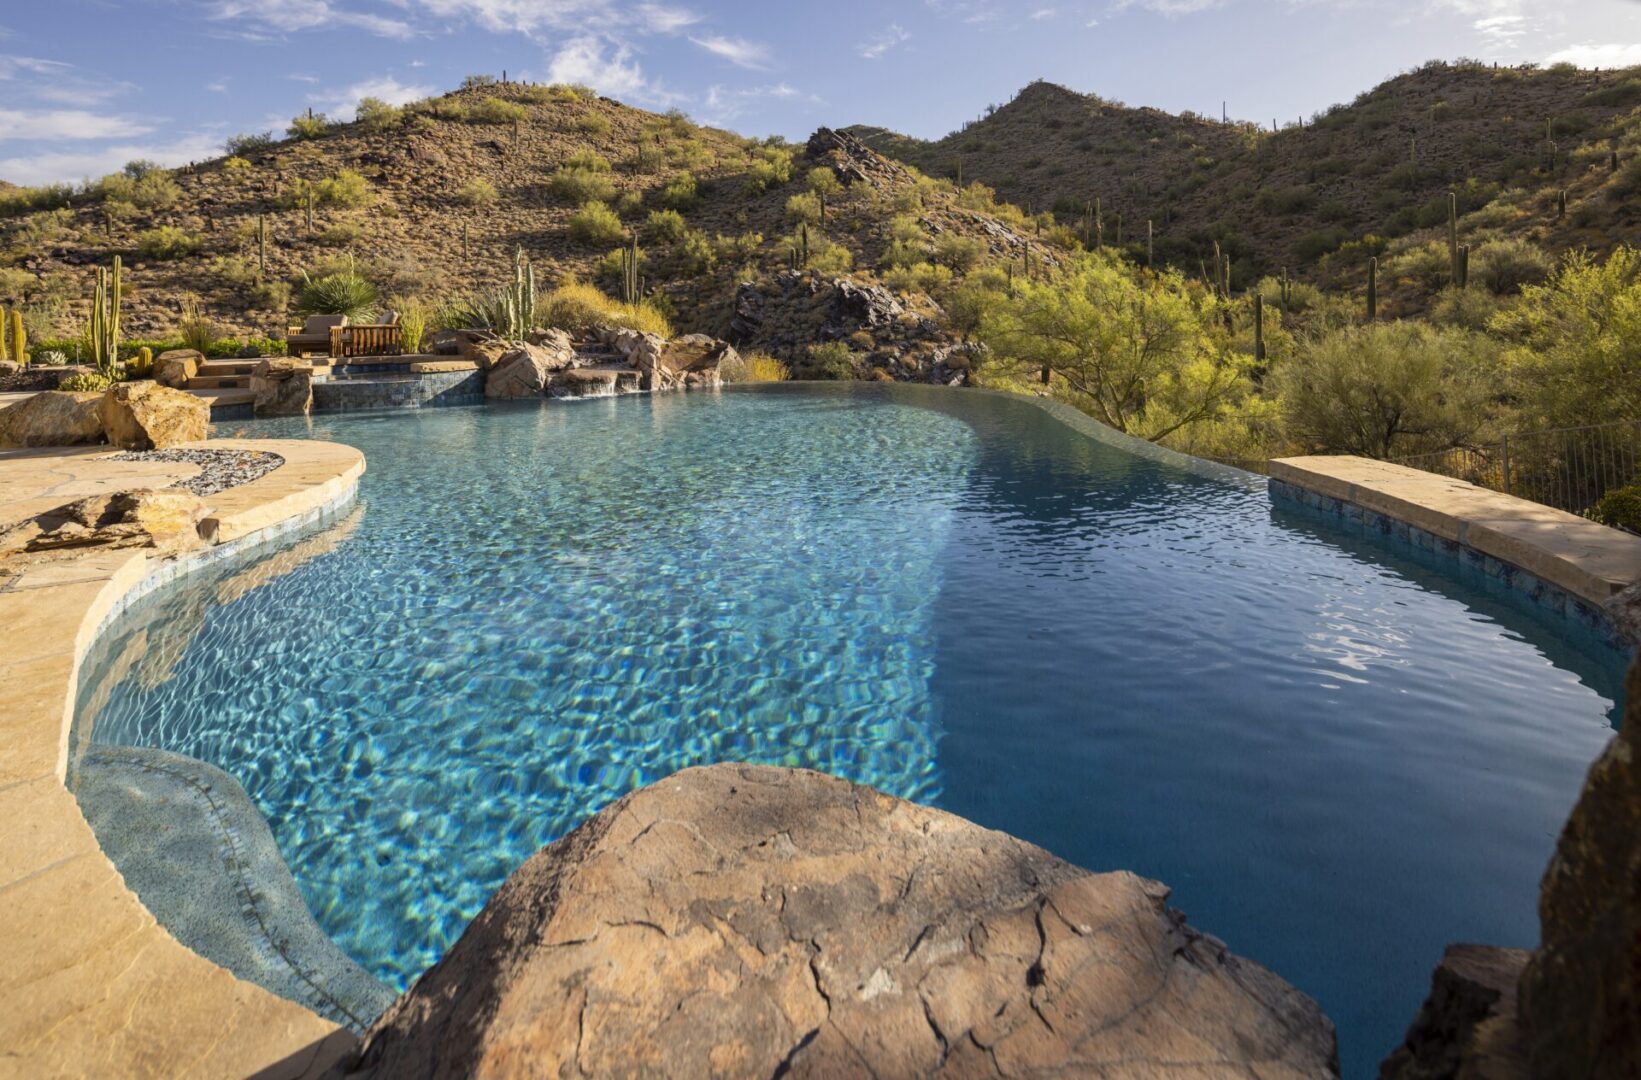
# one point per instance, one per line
(1339, 760)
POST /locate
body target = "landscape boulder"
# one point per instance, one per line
(52, 418)
(167, 520)
(9, 367)
(697, 361)
(282, 386)
(525, 370)
(148, 416)
(741, 921)
(175, 367)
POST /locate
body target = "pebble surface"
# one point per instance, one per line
(219, 469)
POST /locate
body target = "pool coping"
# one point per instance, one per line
(108, 990)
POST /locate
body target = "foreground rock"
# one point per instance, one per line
(148, 416)
(167, 520)
(749, 921)
(52, 418)
(175, 367)
(282, 387)
(1575, 1010)
(524, 370)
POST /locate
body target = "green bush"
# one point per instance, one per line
(1504, 266)
(309, 125)
(1314, 245)
(248, 144)
(772, 168)
(347, 189)
(596, 225)
(91, 380)
(580, 184)
(166, 242)
(832, 361)
(496, 111)
(374, 114)
(926, 277)
(680, 193)
(1620, 508)
(26, 200)
(665, 226)
(803, 208)
(342, 234)
(591, 123)
(590, 160)
(961, 253)
(150, 190)
(477, 192)
(343, 292)
(692, 255)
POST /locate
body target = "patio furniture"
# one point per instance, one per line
(385, 338)
(314, 335)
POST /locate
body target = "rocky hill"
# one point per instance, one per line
(433, 200)
(1294, 190)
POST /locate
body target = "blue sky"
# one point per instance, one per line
(86, 85)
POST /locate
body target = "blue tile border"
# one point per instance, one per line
(1461, 560)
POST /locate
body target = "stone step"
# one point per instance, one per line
(228, 367)
(219, 382)
(218, 399)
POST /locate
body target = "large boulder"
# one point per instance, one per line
(167, 520)
(525, 370)
(696, 360)
(52, 418)
(282, 387)
(175, 367)
(1581, 992)
(752, 921)
(148, 416)
(1467, 1024)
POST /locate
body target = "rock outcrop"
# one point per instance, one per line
(52, 418)
(283, 387)
(167, 520)
(1572, 1007)
(175, 367)
(148, 416)
(524, 370)
(740, 921)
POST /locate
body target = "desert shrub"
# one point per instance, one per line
(195, 328)
(247, 144)
(1387, 389)
(577, 305)
(596, 225)
(665, 226)
(149, 190)
(91, 380)
(1428, 267)
(1620, 508)
(478, 81)
(477, 192)
(903, 253)
(27, 200)
(928, 277)
(739, 248)
(823, 181)
(341, 292)
(236, 166)
(803, 208)
(833, 361)
(1302, 297)
(590, 123)
(166, 242)
(771, 169)
(347, 189)
(581, 184)
(342, 234)
(374, 114)
(591, 160)
(447, 109)
(977, 196)
(309, 125)
(496, 111)
(680, 193)
(961, 253)
(1285, 201)
(692, 255)
(271, 295)
(1624, 92)
(1504, 266)
(414, 313)
(825, 254)
(761, 367)
(1314, 245)
(969, 302)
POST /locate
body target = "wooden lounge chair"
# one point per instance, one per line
(314, 335)
(368, 339)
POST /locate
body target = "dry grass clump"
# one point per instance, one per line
(577, 305)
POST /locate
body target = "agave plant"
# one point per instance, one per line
(341, 292)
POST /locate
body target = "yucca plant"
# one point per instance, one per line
(341, 292)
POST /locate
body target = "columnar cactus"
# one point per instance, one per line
(1453, 234)
(629, 272)
(1373, 290)
(103, 334)
(520, 297)
(19, 338)
(1259, 328)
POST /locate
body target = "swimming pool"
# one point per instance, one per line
(1339, 759)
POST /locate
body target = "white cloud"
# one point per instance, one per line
(55, 125)
(292, 16)
(608, 67)
(526, 16)
(738, 51)
(1044, 13)
(1597, 56)
(62, 166)
(881, 42)
(660, 19)
(57, 83)
(1170, 8)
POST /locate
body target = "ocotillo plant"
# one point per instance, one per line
(1150, 244)
(1373, 290)
(103, 333)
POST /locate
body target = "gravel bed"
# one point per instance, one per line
(221, 469)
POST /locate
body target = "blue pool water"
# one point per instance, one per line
(1339, 759)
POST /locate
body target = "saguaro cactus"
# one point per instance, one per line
(103, 334)
(629, 272)
(19, 338)
(261, 247)
(1453, 235)
(1373, 290)
(1259, 328)
(521, 297)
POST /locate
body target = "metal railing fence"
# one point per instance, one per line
(1567, 468)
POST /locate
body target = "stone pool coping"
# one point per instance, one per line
(1588, 560)
(92, 984)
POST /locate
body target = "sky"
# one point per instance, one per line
(86, 85)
